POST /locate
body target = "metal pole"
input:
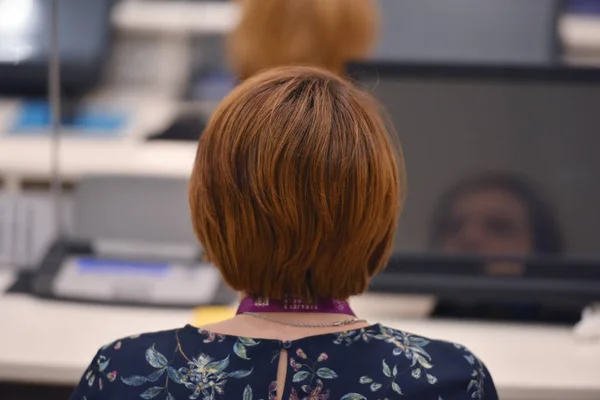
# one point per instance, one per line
(54, 100)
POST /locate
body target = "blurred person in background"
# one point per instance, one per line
(326, 34)
(495, 213)
(295, 195)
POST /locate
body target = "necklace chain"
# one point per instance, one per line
(345, 322)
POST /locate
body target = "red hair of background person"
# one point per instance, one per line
(321, 33)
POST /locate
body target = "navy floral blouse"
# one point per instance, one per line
(370, 363)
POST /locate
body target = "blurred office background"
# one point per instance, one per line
(495, 101)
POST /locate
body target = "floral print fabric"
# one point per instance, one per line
(371, 363)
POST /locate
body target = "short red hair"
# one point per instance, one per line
(297, 186)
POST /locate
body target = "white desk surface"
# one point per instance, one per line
(31, 157)
(52, 342)
(23, 157)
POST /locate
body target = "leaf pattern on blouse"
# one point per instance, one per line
(478, 375)
(100, 370)
(203, 376)
(310, 374)
(375, 363)
(390, 382)
(412, 347)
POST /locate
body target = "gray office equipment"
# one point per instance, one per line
(168, 284)
(133, 244)
(27, 227)
(469, 31)
(146, 209)
(132, 241)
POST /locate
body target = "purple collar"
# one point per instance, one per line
(288, 305)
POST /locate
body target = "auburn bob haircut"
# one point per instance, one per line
(320, 33)
(296, 187)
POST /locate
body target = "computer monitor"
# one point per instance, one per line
(25, 45)
(465, 31)
(211, 78)
(502, 164)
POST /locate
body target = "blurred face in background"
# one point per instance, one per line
(487, 221)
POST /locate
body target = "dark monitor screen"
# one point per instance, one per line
(25, 43)
(210, 76)
(500, 161)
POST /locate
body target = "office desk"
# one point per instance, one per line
(52, 342)
(30, 156)
(43, 342)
